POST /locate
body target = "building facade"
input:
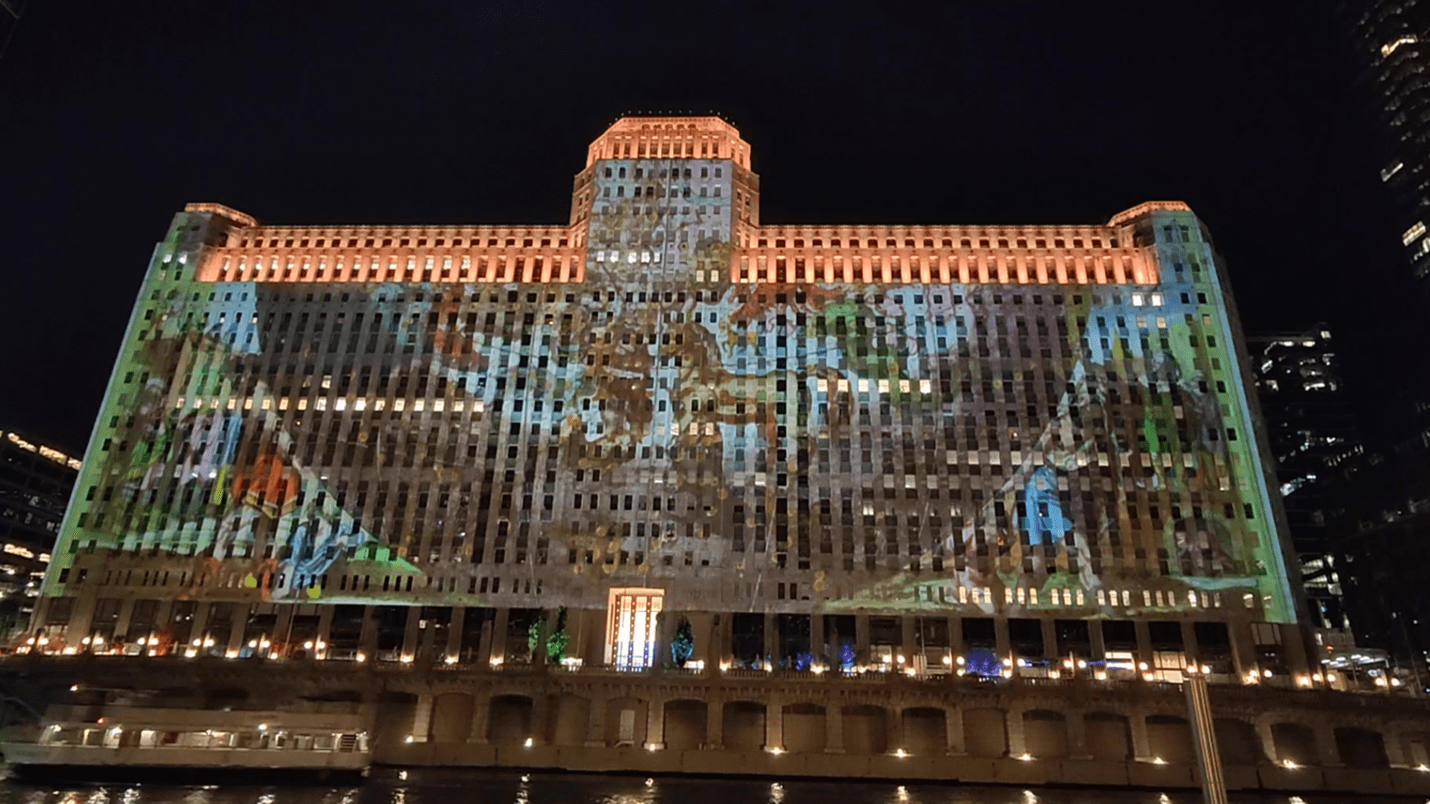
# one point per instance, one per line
(35, 486)
(667, 432)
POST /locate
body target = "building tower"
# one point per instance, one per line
(1311, 432)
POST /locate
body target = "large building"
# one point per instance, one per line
(1391, 40)
(35, 486)
(1379, 504)
(677, 430)
(1311, 432)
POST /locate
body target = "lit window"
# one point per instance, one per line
(1413, 233)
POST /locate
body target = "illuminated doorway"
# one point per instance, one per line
(630, 627)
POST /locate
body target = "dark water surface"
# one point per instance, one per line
(506, 787)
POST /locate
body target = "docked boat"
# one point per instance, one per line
(110, 742)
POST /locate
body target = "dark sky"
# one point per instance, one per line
(1001, 111)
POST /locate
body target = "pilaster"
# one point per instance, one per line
(1267, 739)
(1077, 736)
(833, 728)
(774, 722)
(1326, 750)
(655, 724)
(715, 723)
(953, 731)
(1141, 745)
(596, 723)
(481, 706)
(1017, 745)
(422, 719)
(540, 718)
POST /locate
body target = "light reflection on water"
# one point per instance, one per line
(482, 787)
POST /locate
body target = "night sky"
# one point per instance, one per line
(995, 111)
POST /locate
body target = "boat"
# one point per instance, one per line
(328, 743)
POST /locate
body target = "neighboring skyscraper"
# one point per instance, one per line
(35, 486)
(1311, 430)
(1380, 505)
(819, 445)
(1392, 41)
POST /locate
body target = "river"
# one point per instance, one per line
(389, 786)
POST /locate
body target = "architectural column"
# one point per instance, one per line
(714, 723)
(500, 624)
(1267, 740)
(774, 722)
(1096, 643)
(282, 631)
(165, 612)
(1243, 649)
(410, 632)
(833, 728)
(665, 637)
(817, 652)
(239, 626)
(861, 639)
(540, 717)
(955, 636)
(1001, 641)
(82, 615)
(545, 622)
(200, 628)
(325, 630)
(707, 646)
(908, 641)
(1294, 645)
(655, 724)
(454, 632)
(1190, 647)
(724, 635)
(953, 731)
(481, 705)
(422, 719)
(1050, 643)
(771, 633)
(1077, 736)
(367, 640)
(121, 625)
(1144, 646)
(1017, 745)
(1326, 749)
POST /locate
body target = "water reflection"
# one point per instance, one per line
(418, 786)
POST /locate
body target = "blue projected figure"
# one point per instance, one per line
(1043, 518)
(984, 662)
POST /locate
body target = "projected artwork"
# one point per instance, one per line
(961, 446)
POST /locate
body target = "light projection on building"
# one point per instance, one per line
(704, 406)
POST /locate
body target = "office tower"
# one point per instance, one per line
(35, 486)
(1388, 39)
(1311, 431)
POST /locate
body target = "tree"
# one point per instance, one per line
(683, 644)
